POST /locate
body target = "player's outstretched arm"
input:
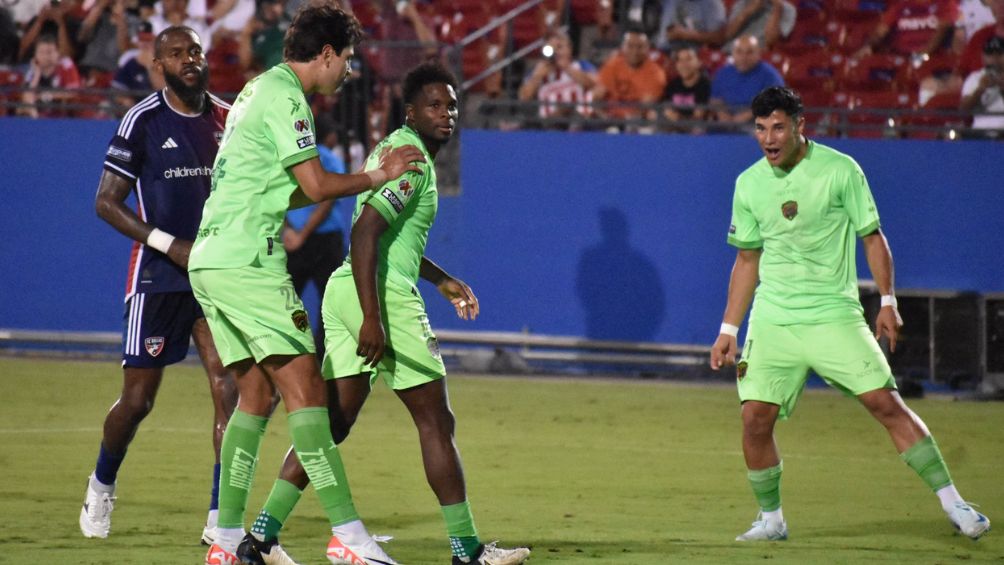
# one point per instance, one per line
(365, 243)
(742, 283)
(109, 203)
(453, 289)
(318, 184)
(879, 256)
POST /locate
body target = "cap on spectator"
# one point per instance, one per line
(994, 46)
(145, 32)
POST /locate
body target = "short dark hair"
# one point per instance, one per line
(777, 98)
(994, 46)
(316, 25)
(426, 73)
(158, 42)
(635, 27)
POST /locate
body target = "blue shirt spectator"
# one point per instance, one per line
(735, 84)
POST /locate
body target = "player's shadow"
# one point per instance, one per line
(618, 286)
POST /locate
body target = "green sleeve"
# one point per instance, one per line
(290, 126)
(856, 199)
(393, 197)
(744, 231)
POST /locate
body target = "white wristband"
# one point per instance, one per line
(889, 300)
(161, 241)
(377, 177)
(729, 329)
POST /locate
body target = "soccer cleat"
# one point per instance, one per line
(254, 552)
(208, 535)
(366, 553)
(492, 555)
(219, 556)
(96, 514)
(765, 530)
(969, 522)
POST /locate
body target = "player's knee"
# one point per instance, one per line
(340, 427)
(136, 407)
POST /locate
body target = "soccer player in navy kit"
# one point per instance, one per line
(164, 149)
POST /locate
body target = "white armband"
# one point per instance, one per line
(161, 241)
(729, 329)
(889, 300)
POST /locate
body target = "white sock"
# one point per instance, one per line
(213, 518)
(229, 538)
(98, 486)
(352, 533)
(948, 496)
(774, 516)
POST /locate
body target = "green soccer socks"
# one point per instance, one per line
(320, 458)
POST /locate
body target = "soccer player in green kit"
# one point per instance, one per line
(795, 215)
(376, 325)
(267, 160)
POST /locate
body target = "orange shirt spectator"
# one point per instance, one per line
(630, 76)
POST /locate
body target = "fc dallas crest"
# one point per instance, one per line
(154, 345)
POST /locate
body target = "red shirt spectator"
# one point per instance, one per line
(49, 76)
(914, 26)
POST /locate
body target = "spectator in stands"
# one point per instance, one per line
(913, 28)
(99, 34)
(562, 84)
(629, 78)
(690, 23)
(769, 21)
(736, 84)
(51, 74)
(403, 24)
(51, 20)
(983, 91)
(136, 69)
(974, 15)
(261, 39)
(972, 56)
(175, 13)
(10, 38)
(688, 94)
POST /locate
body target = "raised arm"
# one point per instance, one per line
(879, 256)
(365, 244)
(110, 207)
(318, 184)
(742, 284)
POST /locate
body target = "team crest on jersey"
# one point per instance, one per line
(789, 209)
(741, 369)
(300, 320)
(405, 187)
(301, 125)
(154, 345)
(433, 344)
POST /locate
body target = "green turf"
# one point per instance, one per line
(620, 472)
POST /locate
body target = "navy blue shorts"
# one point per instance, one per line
(158, 328)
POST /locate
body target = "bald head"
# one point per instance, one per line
(746, 53)
(170, 33)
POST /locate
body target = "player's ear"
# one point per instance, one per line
(409, 113)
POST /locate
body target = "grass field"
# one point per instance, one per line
(584, 471)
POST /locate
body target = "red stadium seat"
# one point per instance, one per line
(875, 72)
(816, 70)
(937, 117)
(712, 59)
(876, 114)
(812, 35)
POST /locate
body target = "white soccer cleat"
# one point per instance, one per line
(765, 530)
(969, 522)
(366, 553)
(96, 514)
(209, 535)
(254, 552)
(491, 554)
(219, 556)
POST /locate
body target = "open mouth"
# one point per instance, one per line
(772, 153)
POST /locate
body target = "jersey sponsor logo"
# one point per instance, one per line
(301, 125)
(183, 172)
(154, 345)
(169, 144)
(305, 141)
(789, 210)
(406, 189)
(741, 369)
(119, 153)
(393, 199)
(300, 320)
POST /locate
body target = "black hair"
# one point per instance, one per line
(777, 98)
(47, 38)
(161, 39)
(635, 28)
(317, 25)
(993, 46)
(426, 73)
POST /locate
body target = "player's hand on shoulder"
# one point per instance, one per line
(723, 352)
(399, 160)
(372, 341)
(179, 251)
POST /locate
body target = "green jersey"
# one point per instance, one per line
(269, 129)
(409, 205)
(805, 221)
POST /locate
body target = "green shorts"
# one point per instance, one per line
(412, 355)
(252, 312)
(776, 361)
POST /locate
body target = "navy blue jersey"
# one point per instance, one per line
(169, 157)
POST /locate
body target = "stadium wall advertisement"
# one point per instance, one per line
(602, 236)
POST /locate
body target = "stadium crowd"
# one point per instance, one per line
(923, 67)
